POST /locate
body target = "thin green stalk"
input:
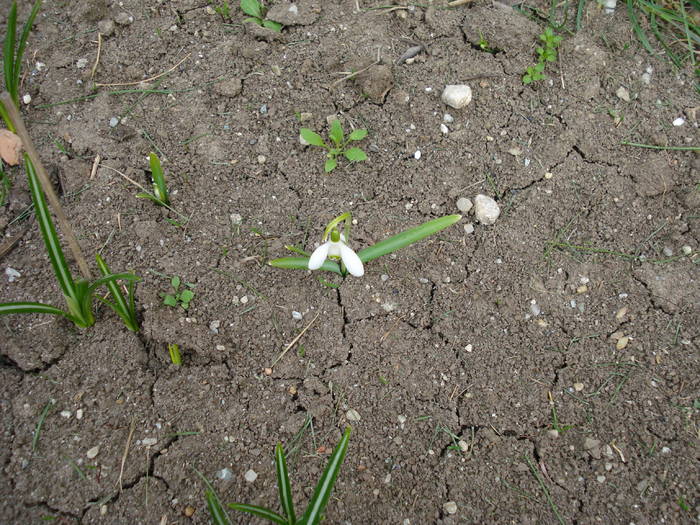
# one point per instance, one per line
(40, 424)
(283, 485)
(125, 308)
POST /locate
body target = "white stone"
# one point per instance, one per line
(687, 250)
(81, 63)
(457, 96)
(79, 413)
(113, 122)
(679, 121)
(12, 274)
(27, 98)
(66, 413)
(448, 119)
(450, 507)
(486, 209)
(149, 442)
(225, 474)
(464, 205)
(297, 316)
(444, 129)
(352, 415)
(623, 94)
(92, 453)
(469, 228)
(250, 476)
(417, 154)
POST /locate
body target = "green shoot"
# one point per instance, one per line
(224, 10)
(40, 423)
(78, 294)
(123, 306)
(160, 190)
(5, 185)
(256, 13)
(179, 297)
(174, 351)
(545, 54)
(13, 52)
(384, 247)
(317, 503)
(338, 144)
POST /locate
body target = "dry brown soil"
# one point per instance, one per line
(437, 345)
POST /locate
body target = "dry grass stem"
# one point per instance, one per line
(145, 80)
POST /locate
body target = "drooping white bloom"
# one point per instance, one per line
(337, 248)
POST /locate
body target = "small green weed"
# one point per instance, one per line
(223, 9)
(5, 185)
(339, 144)
(160, 190)
(256, 13)
(179, 297)
(545, 54)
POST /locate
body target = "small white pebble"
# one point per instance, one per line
(464, 204)
(250, 476)
(444, 129)
(244, 299)
(600, 479)
(27, 99)
(79, 414)
(687, 250)
(12, 274)
(679, 121)
(92, 453)
(352, 415)
(113, 122)
(225, 474)
(417, 155)
(81, 63)
(448, 119)
(149, 442)
(66, 413)
(450, 507)
(469, 228)
(665, 450)
(297, 316)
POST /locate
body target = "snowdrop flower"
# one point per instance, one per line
(336, 247)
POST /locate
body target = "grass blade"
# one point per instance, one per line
(318, 502)
(302, 263)
(40, 423)
(20, 48)
(30, 308)
(283, 485)
(218, 514)
(641, 35)
(8, 55)
(407, 237)
(48, 232)
(260, 512)
(123, 308)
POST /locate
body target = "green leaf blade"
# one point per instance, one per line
(283, 485)
(218, 514)
(275, 26)
(330, 165)
(302, 263)
(323, 490)
(355, 155)
(252, 8)
(30, 308)
(312, 137)
(336, 133)
(9, 52)
(358, 134)
(407, 237)
(260, 512)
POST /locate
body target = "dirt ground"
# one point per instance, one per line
(543, 369)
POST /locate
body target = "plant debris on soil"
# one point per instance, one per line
(539, 366)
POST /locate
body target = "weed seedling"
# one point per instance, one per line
(178, 297)
(160, 190)
(317, 503)
(256, 13)
(223, 9)
(546, 53)
(334, 255)
(338, 146)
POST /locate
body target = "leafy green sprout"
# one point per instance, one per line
(338, 146)
(160, 190)
(79, 294)
(546, 53)
(256, 13)
(13, 52)
(224, 9)
(383, 247)
(317, 504)
(179, 297)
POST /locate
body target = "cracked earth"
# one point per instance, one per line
(540, 370)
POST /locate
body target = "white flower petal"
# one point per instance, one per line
(335, 249)
(319, 256)
(352, 261)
